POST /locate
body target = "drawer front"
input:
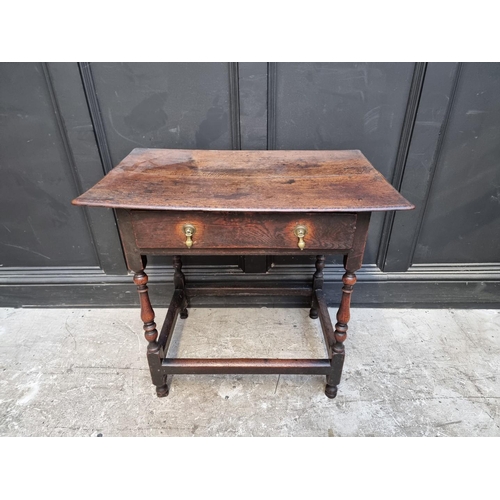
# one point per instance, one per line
(236, 230)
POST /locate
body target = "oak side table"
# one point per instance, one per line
(193, 202)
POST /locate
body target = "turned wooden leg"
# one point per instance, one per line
(180, 281)
(317, 282)
(147, 313)
(151, 334)
(343, 316)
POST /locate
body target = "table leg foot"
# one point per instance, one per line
(330, 391)
(162, 391)
(313, 313)
(184, 313)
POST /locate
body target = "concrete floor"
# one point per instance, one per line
(80, 372)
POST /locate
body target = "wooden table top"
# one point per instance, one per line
(245, 181)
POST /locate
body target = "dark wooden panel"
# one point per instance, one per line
(81, 135)
(436, 103)
(253, 105)
(403, 150)
(167, 105)
(344, 106)
(155, 229)
(38, 225)
(461, 222)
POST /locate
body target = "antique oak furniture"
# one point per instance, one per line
(193, 202)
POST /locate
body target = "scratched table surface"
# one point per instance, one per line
(256, 181)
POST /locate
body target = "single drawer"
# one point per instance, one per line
(155, 229)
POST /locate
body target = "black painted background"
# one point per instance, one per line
(433, 130)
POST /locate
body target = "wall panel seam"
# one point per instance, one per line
(436, 158)
(68, 151)
(272, 91)
(409, 120)
(234, 105)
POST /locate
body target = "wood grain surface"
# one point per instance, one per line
(254, 181)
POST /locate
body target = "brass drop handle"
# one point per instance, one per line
(300, 232)
(189, 230)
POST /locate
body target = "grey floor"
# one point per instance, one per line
(81, 372)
